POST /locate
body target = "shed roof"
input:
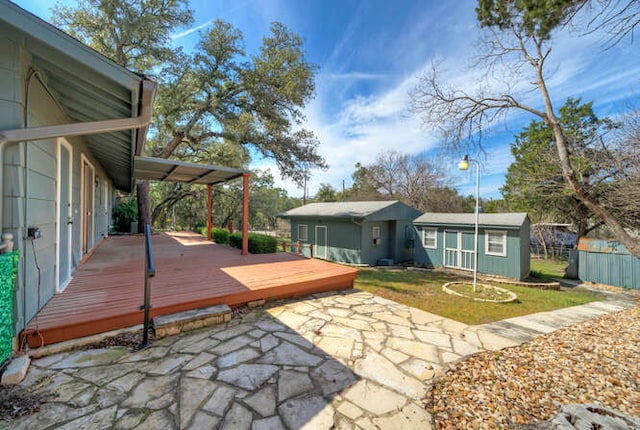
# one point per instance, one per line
(87, 85)
(339, 209)
(514, 219)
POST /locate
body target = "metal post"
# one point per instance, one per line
(464, 165)
(475, 237)
(149, 272)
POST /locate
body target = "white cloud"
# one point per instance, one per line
(191, 30)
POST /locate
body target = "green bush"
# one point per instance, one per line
(258, 243)
(235, 240)
(220, 235)
(262, 244)
(124, 214)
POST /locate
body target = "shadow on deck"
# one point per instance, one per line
(107, 290)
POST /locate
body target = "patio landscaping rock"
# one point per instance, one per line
(345, 361)
(16, 370)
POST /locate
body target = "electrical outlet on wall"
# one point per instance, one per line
(34, 233)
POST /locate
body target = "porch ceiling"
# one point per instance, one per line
(159, 169)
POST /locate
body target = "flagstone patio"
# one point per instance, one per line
(341, 360)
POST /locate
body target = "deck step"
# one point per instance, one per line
(166, 325)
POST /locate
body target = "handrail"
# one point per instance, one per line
(149, 272)
(298, 247)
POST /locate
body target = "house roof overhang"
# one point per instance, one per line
(90, 88)
(160, 169)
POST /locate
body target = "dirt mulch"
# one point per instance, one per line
(592, 362)
(16, 401)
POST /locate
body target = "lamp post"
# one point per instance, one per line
(464, 165)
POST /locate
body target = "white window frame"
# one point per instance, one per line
(301, 228)
(433, 230)
(503, 233)
(375, 235)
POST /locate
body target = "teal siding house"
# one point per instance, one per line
(369, 233)
(71, 123)
(446, 240)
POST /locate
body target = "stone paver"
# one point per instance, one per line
(343, 360)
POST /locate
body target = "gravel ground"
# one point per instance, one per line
(593, 362)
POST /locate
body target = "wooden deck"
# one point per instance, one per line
(107, 290)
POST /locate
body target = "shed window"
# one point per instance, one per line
(375, 234)
(430, 237)
(303, 232)
(496, 243)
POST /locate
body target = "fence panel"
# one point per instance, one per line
(608, 263)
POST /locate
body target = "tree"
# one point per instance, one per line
(412, 180)
(133, 33)
(326, 193)
(217, 94)
(534, 181)
(518, 41)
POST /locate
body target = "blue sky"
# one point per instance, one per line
(370, 54)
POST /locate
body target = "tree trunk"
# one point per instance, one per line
(144, 204)
(570, 176)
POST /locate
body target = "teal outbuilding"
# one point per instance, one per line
(447, 240)
(370, 233)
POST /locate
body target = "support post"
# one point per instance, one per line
(209, 206)
(245, 213)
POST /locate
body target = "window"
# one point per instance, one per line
(303, 232)
(375, 234)
(496, 243)
(430, 237)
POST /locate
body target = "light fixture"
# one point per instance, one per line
(464, 166)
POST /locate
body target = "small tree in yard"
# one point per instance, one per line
(518, 41)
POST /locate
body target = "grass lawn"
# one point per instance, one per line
(424, 290)
(551, 268)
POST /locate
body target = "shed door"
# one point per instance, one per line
(451, 249)
(458, 250)
(321, 241)
(466, 250)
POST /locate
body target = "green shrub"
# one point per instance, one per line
(258, 243)
(124, 214)
(235, 240)
(220, 235)
(262, 244)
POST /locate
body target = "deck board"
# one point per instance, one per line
(107, 289)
